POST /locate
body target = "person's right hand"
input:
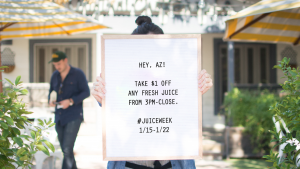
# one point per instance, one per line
(99, 89)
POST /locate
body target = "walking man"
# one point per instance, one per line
(72, 88)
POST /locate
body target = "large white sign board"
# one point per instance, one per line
(152, 108)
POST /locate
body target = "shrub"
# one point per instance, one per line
(288, 109)
(250, 109)
(17, 149)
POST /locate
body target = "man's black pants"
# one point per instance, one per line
(67, 135)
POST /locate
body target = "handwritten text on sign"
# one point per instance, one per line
(151, 106)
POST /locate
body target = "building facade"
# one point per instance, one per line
(253, 61)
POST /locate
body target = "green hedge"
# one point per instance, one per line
(250, 109)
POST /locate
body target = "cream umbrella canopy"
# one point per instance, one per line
(275, 21)
(40, 18)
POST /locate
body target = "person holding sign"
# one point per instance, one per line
(145, 26)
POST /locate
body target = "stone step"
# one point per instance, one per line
(212, 146)
(212, 150)
(210, 133)
(213, 143)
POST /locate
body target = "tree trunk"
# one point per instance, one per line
(1, 87)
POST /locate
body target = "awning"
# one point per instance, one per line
(31, 18)
(266, 21)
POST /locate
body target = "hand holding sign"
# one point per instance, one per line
(99, 89)
(204, 81)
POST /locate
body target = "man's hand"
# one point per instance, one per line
(51, 103)
(65, 103)
(204, 81)
(99, 89)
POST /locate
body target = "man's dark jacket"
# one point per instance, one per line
(74, 86)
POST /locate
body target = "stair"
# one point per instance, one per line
(213, 143)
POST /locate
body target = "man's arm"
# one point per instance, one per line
(83, 88)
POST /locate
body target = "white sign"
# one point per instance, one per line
(152, 108)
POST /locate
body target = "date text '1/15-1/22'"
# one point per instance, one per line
(154, 130)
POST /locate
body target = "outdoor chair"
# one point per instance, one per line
(281, 154)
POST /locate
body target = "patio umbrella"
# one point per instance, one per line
(40, 18)
(272, 21)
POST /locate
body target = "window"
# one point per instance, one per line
(237, 65)
(291, 54)
(41, 64)
(82, 59)
(263, 65)
(251, 66)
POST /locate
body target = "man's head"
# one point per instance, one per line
(60, 61)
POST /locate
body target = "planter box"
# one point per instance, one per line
(238, 144)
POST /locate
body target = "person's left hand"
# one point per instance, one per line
(204, 81)
(65, 103)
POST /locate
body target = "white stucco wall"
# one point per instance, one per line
(280, 48)
(209, 118)
(20, 47)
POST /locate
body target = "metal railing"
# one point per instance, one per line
(38, 94)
